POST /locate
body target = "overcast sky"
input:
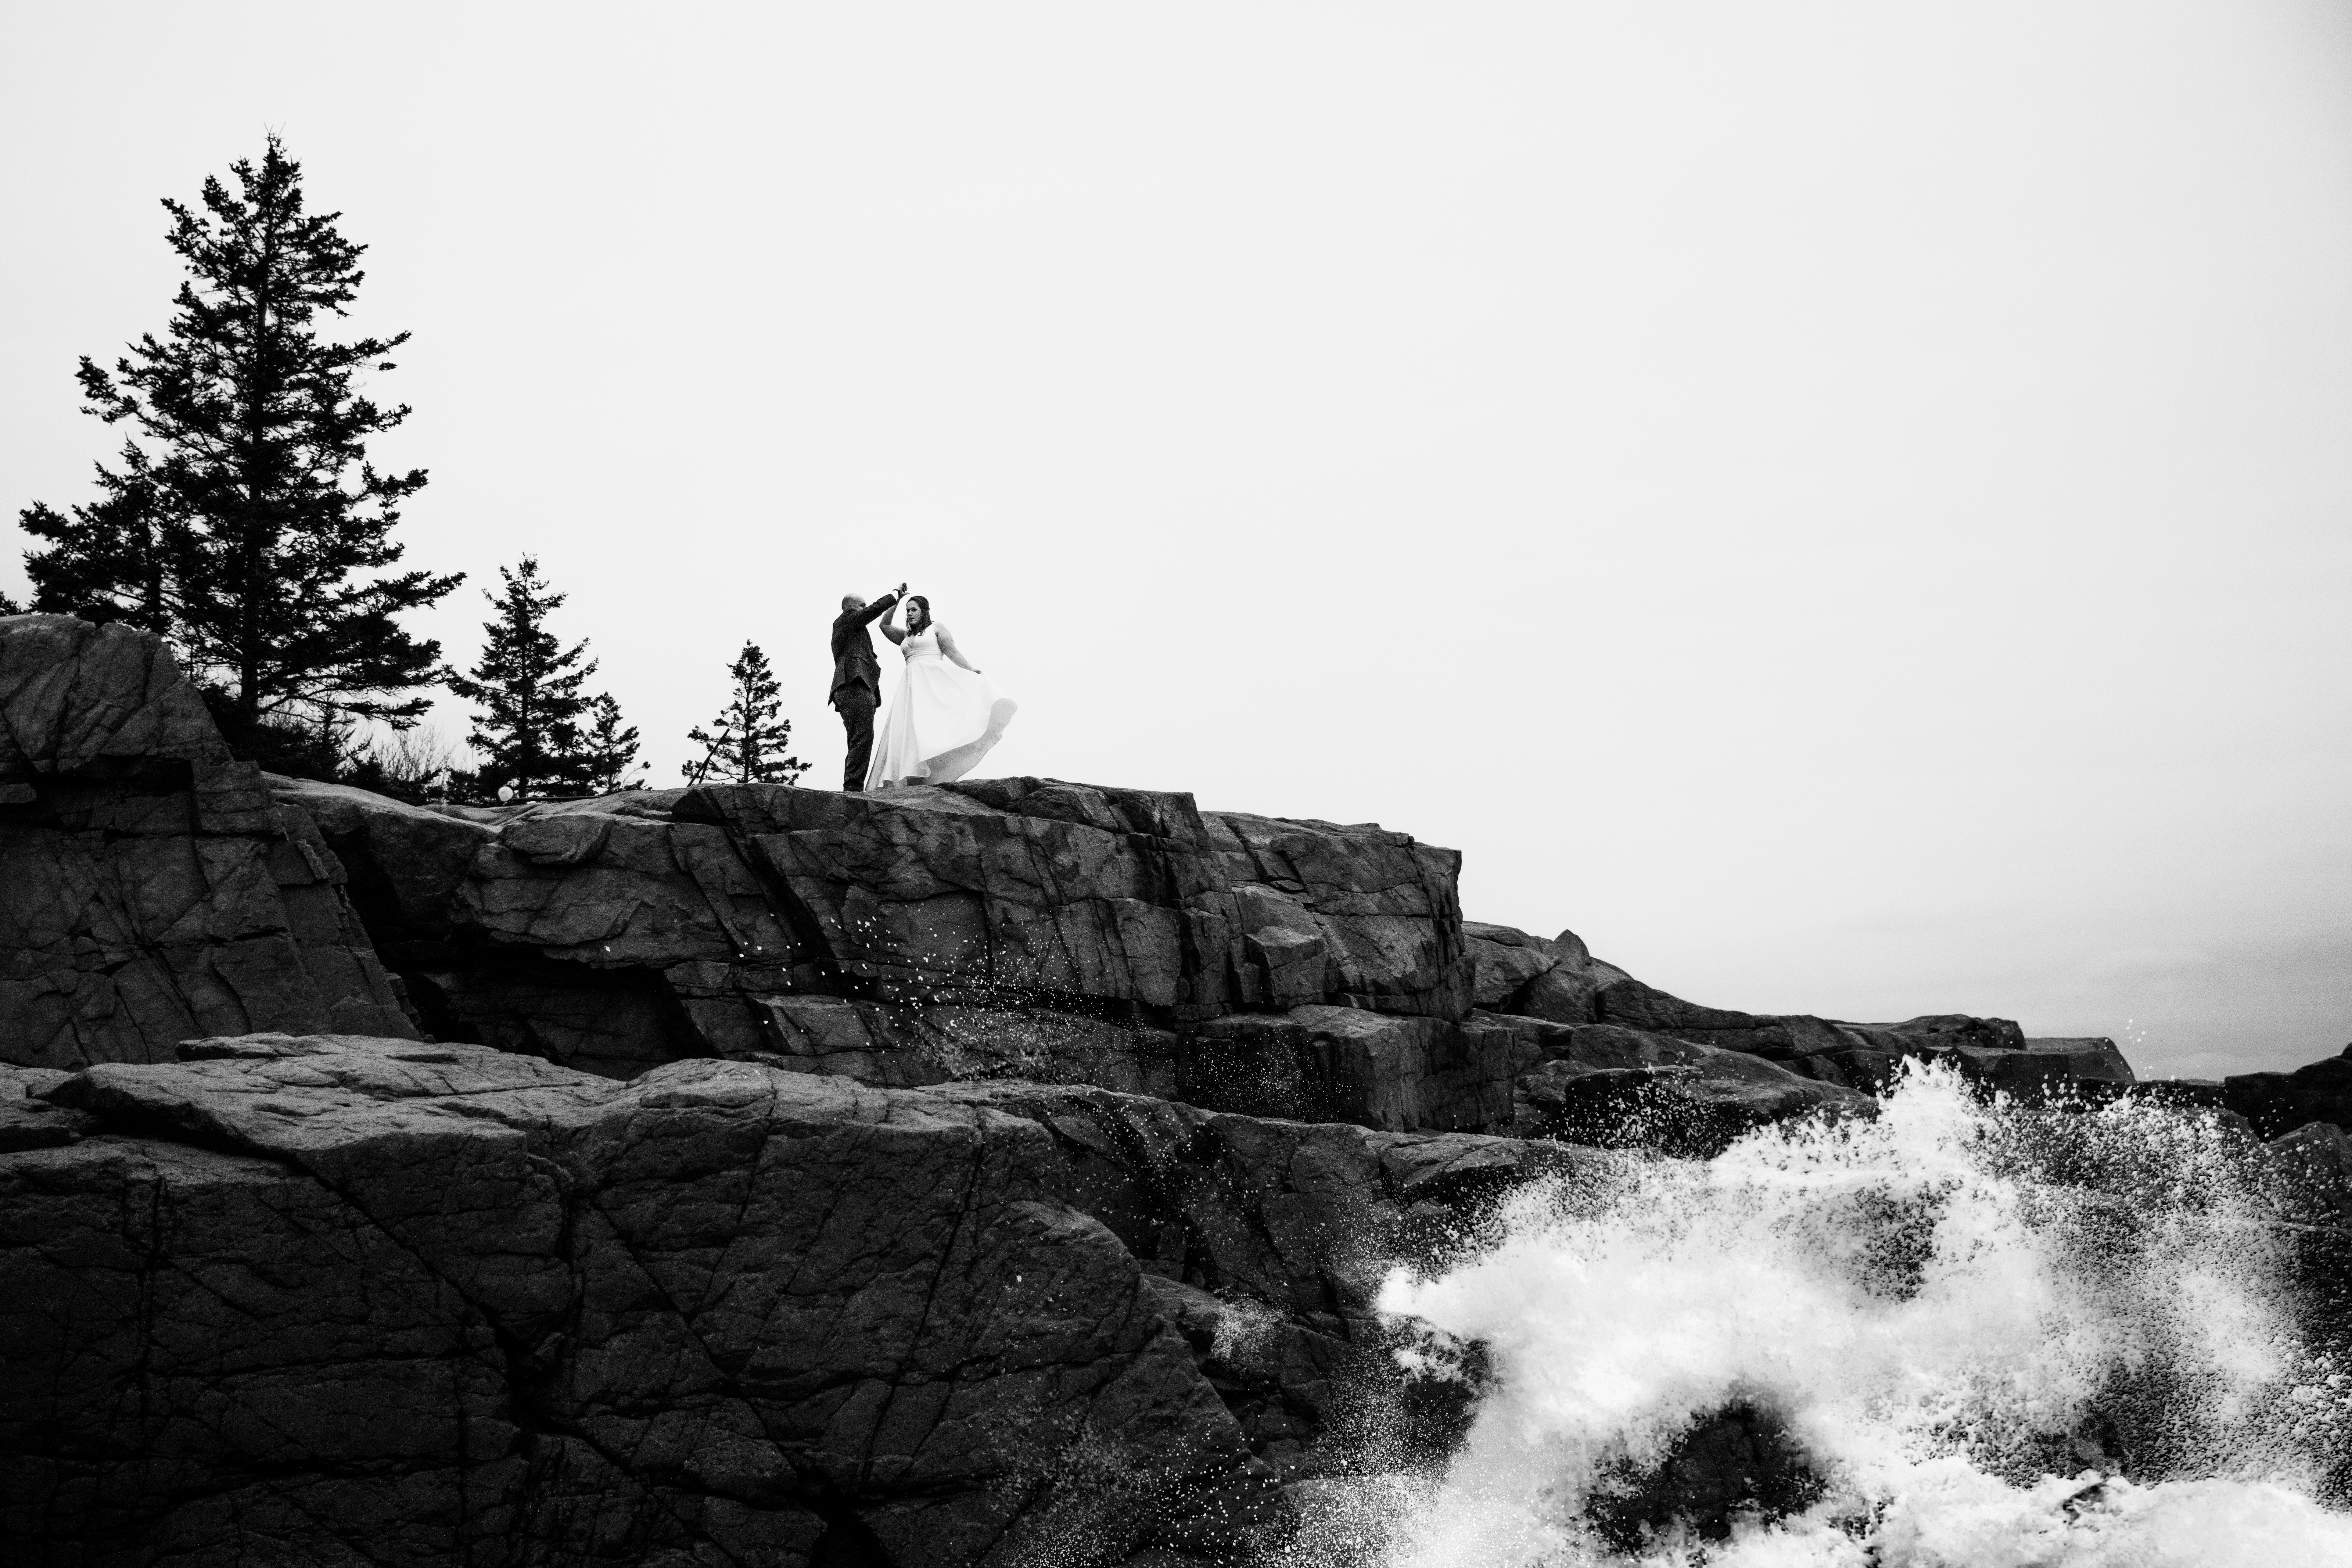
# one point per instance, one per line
(1843, 505)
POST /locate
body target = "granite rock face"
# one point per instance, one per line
(1561, 982)
(1029, 886)
(1045, 931)
(1531, 976)
(1342, 1064)
(903, 1046)
(150, 890)
(2278, 1102)
(334, 1299)
(1611, 1087)
(998, 928)
(29, 1122)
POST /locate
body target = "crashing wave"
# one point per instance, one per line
(1958, 1335)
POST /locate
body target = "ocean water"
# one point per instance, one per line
(1999, 1337)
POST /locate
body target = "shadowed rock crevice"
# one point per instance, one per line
(845, 1542)
(614, 1022)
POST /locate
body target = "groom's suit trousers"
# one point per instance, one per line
(857, 705)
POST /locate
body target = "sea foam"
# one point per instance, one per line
(1999, 1336)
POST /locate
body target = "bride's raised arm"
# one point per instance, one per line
(947, 647)
(889, 617)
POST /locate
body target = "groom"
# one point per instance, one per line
(857, 678)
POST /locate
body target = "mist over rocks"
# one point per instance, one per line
(749, 1173)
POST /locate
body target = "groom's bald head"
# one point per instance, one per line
(851, 602)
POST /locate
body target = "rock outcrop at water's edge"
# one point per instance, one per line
(768, 1174)
(1561, 982)
(2278, 1102)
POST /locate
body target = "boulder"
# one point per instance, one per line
(1530, 977)
(86, 701)
(28, 1122)
(2278, 1102)
(2090, 1066)
(1610, 1086)
(150, 890)
(467, 1306)
(1503, 960)
(1343, 1064)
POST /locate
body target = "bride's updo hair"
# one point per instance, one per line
(917, 602)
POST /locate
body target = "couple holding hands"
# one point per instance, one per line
(945, 715)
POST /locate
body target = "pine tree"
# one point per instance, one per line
(246, 522)
(749, 743)
(528, 686)
(610, 746)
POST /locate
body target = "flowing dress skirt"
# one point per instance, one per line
(943, 720)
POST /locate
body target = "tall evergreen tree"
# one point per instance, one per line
(246, 522)
(747, 744)
(527, 685)
(609, 747)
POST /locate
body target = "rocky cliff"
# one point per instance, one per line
(937, 1176)
(151, 889)
(373, 1300)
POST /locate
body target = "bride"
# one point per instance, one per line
(946, 715)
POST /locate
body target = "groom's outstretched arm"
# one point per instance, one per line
(878, 607)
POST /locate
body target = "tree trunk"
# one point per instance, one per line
(151, 588)
(250, 578)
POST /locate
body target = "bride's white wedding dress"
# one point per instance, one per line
(942, 722)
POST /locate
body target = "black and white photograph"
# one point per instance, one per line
(1522, 783)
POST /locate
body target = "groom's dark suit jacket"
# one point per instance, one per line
(854, 664)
